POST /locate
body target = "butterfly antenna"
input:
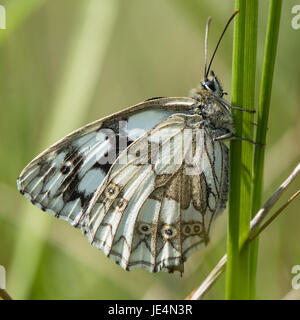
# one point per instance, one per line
(212, 58)
(205, 48)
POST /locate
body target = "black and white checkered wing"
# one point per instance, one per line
(63, 179)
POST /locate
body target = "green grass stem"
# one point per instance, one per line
(262, 121)
(244, 66)
(232, 279)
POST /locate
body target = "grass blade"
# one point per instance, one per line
(244, 65)
(250, 49)
(262, 121)
(232, 281)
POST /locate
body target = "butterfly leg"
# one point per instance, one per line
(229, 136)
(227, 104)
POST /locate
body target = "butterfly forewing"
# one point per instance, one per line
(63, 179)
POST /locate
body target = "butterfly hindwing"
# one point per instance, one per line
(63, 179)
(152, 210)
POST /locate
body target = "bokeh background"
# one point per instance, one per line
(65, 63)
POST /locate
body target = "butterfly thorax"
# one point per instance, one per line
(216, 115)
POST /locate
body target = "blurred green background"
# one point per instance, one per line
(65, 63)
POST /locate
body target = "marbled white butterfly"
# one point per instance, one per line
(143, 184)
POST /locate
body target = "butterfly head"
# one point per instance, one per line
(213, 85)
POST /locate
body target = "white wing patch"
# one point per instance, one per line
(90, 182)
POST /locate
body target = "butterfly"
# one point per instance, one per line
(144, 184)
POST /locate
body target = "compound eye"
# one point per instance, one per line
(210, 85)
